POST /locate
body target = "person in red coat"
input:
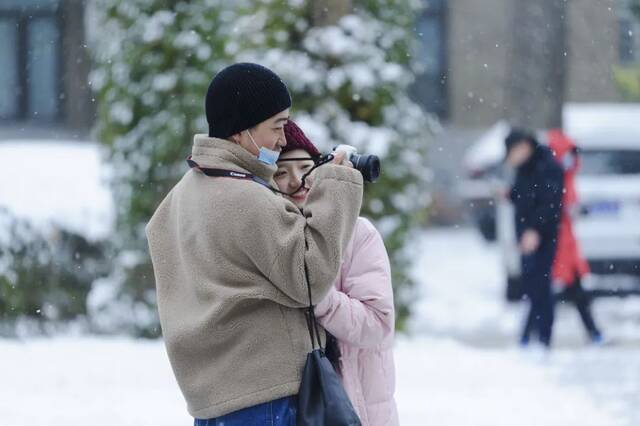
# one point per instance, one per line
(569, 266)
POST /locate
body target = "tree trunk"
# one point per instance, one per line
(328, 12)
(537, 64)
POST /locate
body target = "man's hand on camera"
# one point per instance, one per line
(340, 158)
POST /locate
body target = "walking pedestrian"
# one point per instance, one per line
(537, 198)
(570, 267)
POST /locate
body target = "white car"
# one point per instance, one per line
(608, 184)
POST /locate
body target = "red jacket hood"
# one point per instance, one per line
(560, 143)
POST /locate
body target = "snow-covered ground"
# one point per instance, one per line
(462, 298)
(59, 183)
(459, 365)
(78, 381)
(461, 295)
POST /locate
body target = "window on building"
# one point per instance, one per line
(431, 85)
(30, 60)
(626, 41)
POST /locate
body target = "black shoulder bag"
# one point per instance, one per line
(322, 400)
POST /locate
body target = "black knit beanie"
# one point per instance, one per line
(242, 96)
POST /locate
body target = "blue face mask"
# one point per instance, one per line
(265, 155)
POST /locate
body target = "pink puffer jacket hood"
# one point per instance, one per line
(359, 312)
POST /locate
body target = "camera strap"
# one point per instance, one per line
(228, 174)
(211, 172)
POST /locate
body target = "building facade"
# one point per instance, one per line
(465, 51)
(44, 65)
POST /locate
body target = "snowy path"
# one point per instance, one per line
(458, 368)
(69, 381)
(461, 295)
(454, 385)
(461, 298)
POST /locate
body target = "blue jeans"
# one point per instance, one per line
(279, 412)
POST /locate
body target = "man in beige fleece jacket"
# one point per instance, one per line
(228, 256)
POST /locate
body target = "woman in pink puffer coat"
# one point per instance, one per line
(358, 311)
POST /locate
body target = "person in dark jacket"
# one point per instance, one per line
(537, 199)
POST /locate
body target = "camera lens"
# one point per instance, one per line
(368, 165)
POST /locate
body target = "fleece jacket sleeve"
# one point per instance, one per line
(288, 239)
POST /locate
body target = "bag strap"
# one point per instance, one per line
(312, 321)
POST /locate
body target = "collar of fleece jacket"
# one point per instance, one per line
(221, 153)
